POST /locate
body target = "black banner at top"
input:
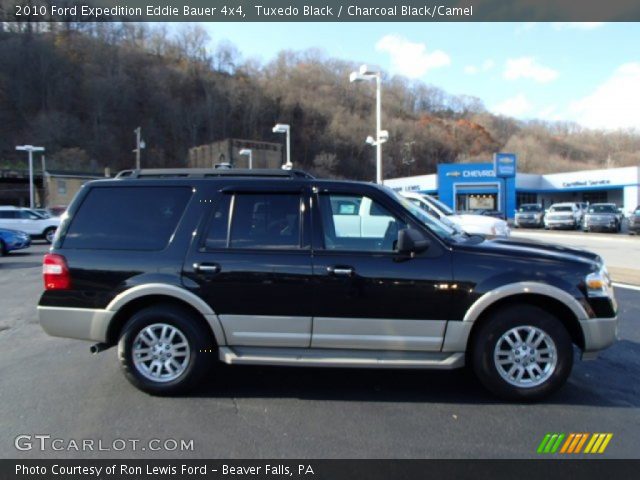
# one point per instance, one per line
(319, 10)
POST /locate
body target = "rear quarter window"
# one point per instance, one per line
(127, 218)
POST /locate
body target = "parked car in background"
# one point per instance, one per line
(11, 240)
(563, 215)
(634, 221)
(469, 223)
(602, 216)
(26, 220)
(529, 215)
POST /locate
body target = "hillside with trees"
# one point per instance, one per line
(80, 89)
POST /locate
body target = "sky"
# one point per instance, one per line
(583, 72)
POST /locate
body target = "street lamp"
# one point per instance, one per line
(370, 72)
(284, 128)
(140, 145)
(30, 149)
(249, 153)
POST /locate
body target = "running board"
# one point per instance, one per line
(306, 357)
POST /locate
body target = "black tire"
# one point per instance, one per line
(48, 234)
(200, 344)
(3, 248)
(500, 322)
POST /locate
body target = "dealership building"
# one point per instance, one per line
(474, 186)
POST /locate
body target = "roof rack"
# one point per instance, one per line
(208, 172)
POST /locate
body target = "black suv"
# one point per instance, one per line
(178, 267)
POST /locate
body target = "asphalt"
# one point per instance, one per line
(53, 386)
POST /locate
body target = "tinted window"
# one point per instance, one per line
(8, 214)
(265, 220)
(29, 215)
(603, 209)
(373, 229)
(127, 218)
(219, 224)
(530, 208)
(563, 208)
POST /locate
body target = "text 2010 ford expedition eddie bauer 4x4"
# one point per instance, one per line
(278, 268)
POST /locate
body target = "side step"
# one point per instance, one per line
(305, 357)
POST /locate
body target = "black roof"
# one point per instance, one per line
(212, 173)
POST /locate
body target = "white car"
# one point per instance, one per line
(564, 215)
(29, 221)
(469, 223)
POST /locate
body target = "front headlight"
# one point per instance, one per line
(598, 283)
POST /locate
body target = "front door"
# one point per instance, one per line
(366, 295)
(252, 265)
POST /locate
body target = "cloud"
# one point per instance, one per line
(514, 107)
(614, 104)
(485, 67)
(527, 67)
(577, 25)
(411, 59)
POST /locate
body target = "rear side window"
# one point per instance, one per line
(257, 221)
(127, 218)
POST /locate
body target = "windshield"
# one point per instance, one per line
(530, 208)
(435, 225)
(561, 208)
(603, 209)
(441, 206)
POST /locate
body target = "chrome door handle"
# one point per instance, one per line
(206, 267)
(340, 271)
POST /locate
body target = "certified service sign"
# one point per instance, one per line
(504, 164)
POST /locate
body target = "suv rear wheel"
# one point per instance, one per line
(161, 350)
(522, 353)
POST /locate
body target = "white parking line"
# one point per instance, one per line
(627, 286)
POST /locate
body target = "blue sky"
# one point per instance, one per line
(589, 73)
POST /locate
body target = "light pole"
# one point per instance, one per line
(139, 145)
(249, 153)
(370, 72)
(284, 128)
(30, 149)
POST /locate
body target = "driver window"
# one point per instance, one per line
(358, 223)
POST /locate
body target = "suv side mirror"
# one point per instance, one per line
(411, 240)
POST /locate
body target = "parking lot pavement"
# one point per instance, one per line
(621, 252)
(55, 387)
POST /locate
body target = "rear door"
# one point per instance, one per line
(366, 295)
(252, 265)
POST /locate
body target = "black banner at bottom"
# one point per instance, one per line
(546, 469)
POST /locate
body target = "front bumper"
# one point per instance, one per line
(599, 333)
(528, 222)
(569, 222)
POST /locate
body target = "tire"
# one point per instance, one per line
(3, 249)
(188, 330)
(49, 234)
(554, 369)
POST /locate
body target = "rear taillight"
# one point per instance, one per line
(55, 272)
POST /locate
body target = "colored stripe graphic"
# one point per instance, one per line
(573, 443)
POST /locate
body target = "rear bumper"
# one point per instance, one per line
(79, 323)
(599, 333)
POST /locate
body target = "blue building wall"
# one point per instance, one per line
(478, 178)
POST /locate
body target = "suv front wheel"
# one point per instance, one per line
(162, 350)
(522, 353)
